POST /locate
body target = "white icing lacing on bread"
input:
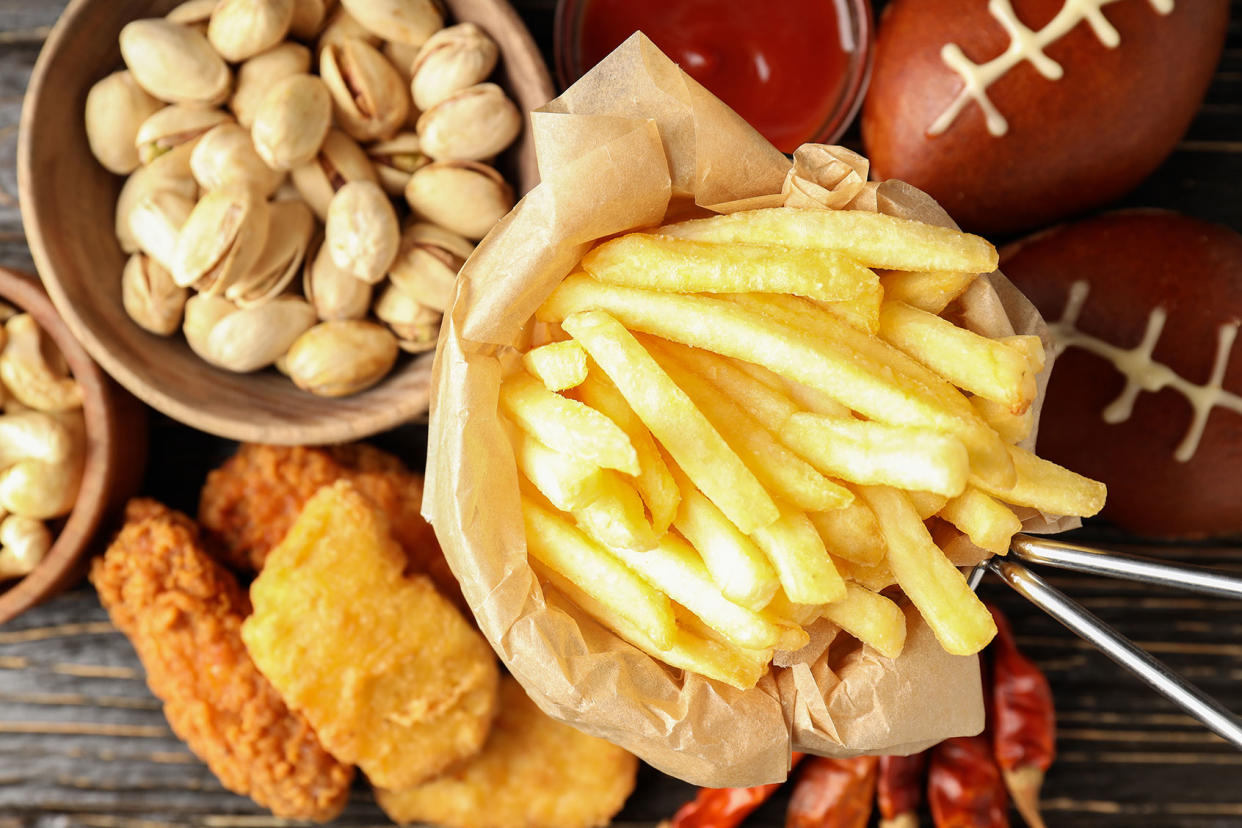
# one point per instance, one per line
(1143, 373)
(1024, 45)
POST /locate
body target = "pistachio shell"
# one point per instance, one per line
(170, 171)
(116, 107)
(173, 126)
(248, 339)
(202, 313)
(243, 28)
(308, 18)
(222, 239)
(469, 125)
(334, 293)
(463, 196)
(339, 358)
(150, 296)
(369, 99)
(415, 325)
(340, 160)
(341, 25)
(290, 226)
(174, 63)
(361, 231)
(451, 59)
(156, 223)
(427, 263)
(292, 120)
(257, 75)
(395, 160)
(226, 155)
(406, 21)
(402, 57)
(192, 12)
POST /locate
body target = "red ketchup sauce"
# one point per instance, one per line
(779, 65)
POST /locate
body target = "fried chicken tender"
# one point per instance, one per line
(534, 772)
(387, 671)
(183, 613)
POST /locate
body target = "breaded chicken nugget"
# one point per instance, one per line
(534, 772)
(183, 613)
(388, 672)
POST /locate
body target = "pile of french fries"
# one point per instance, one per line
(738, 425)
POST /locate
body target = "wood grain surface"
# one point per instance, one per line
(83, 742)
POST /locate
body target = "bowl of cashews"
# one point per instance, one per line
(72, 448)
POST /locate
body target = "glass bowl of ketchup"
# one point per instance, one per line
(795, 69)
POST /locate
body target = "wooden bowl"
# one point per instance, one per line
(116, 437)
(68, 199)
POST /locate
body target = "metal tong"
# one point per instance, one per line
(1120, 649)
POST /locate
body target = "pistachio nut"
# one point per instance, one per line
(341, 25)
(256, 76)
(246, 339)
(415, 325)
(170, 171)
(173, 126)
(406, 21)
(221, 240)
(202, 313)
(150, 296)
(290, 227)
(427, 263)
(308, 18)
(470, 124)
(226, 155)
(334, 293)
(240, 29)
(116, 107)
(361, 231)
(402, 57)
(463, 196)
(287, 192)
(451, 59)
(174, 63)
(291, 121)
(341, 357)
(369, 99)
(395, 160)
(156, 223)
(193, 13)
(340, 160)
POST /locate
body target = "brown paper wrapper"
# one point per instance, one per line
(632, 143)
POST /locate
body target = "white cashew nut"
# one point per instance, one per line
(43, 482)
(23, 543)
(32, 370)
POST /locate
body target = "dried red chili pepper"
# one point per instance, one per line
(724, 807)
(899, 788)
(833, 793)
(964, 785)
(1023, 721)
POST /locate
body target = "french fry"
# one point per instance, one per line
(877, 577)
(737, 566)
(986, 367)
(988, 523)
(558, 365)
(871, 618)
(802, 563)
(566, 480)
(654, 482)
(1045, 486)
(566, 425)
(614, 517)
(1012, 428)
(931, 291)
(873, 239)
(850, 533)
(1032, 347)
(679, 266)
(789, 612)
(673, 419)
(960, 621)
(557, 545)
(767, 402)
(861, 312)
(880, 454)
(927, 504)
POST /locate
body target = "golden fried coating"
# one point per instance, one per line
(183, 613)
(388, 672)
(534, 772)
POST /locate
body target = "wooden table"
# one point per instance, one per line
(83, 742)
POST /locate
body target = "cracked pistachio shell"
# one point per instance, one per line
(395, 160)
(368, 97)
(342, 25)
(156, 223)
(222, 239)
(341, 357)
(173, 126)
(334, 293)
(193, 13)
(463, 196)
(256, 76)
(470, 125)
(415, 325)
(451, 60)
(248, 339)
(290, 227)
(240, 29)
(361, 231)
(170, 171)
(116, 108)
(427, 263)
(406, 21)
(150, 296)
(340, 160)
(202, 312)
(174, 63)
(308, 18)
(226, 155)
(291, 121)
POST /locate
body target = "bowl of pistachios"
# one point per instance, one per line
(252, 212)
